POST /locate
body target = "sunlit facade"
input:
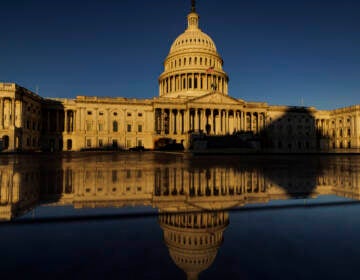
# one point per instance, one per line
(193, 97)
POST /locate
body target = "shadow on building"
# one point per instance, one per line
(53, 126)
(294, 131)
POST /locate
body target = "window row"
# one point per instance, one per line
(115, 127)
(194, 61)
(128, 114)
(194, 40)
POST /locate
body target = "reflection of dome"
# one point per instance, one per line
(193, 239)
(193, 67)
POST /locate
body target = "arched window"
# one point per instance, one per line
(184, 83)
(189, 60)
(115, 126)
(195, 82)
(190, 83)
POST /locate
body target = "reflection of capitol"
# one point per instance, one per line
(170, 186)
(192, 196)
(19, 189)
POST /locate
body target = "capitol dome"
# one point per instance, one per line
(193, 239)
(193, 66)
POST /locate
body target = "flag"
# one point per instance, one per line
(210, 69)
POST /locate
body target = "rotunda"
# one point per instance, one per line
(193, 66)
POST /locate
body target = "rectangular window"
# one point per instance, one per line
(129, 128)
(88, 125)
(139, 128)
(140, 143)
(89, 112)
(128, 143)
(100, 142)
(140, 114)
(128, 114)
(101, 126)
(88, 143)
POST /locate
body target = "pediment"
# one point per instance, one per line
(216, 98)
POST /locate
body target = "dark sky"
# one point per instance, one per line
(280, 52)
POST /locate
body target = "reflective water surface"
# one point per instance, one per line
(156, 216)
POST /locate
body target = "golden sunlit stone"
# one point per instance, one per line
(193, 97)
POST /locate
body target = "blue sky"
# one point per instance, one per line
(280, 52)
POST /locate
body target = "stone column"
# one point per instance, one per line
(175, 122)
(242, 120)
(182, 121)
(256, 116)
(227, 121)
(212, 121)
(251, 121)
(178, 122)
(13, 112)
(186, 120)
(196, 120)
(21, 114)
(77, 120)
(66, 121)
(1, 113)
(170, 121)
(217, 122)
(74, 120)
(204, 120)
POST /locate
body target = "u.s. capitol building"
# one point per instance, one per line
(193, 97)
